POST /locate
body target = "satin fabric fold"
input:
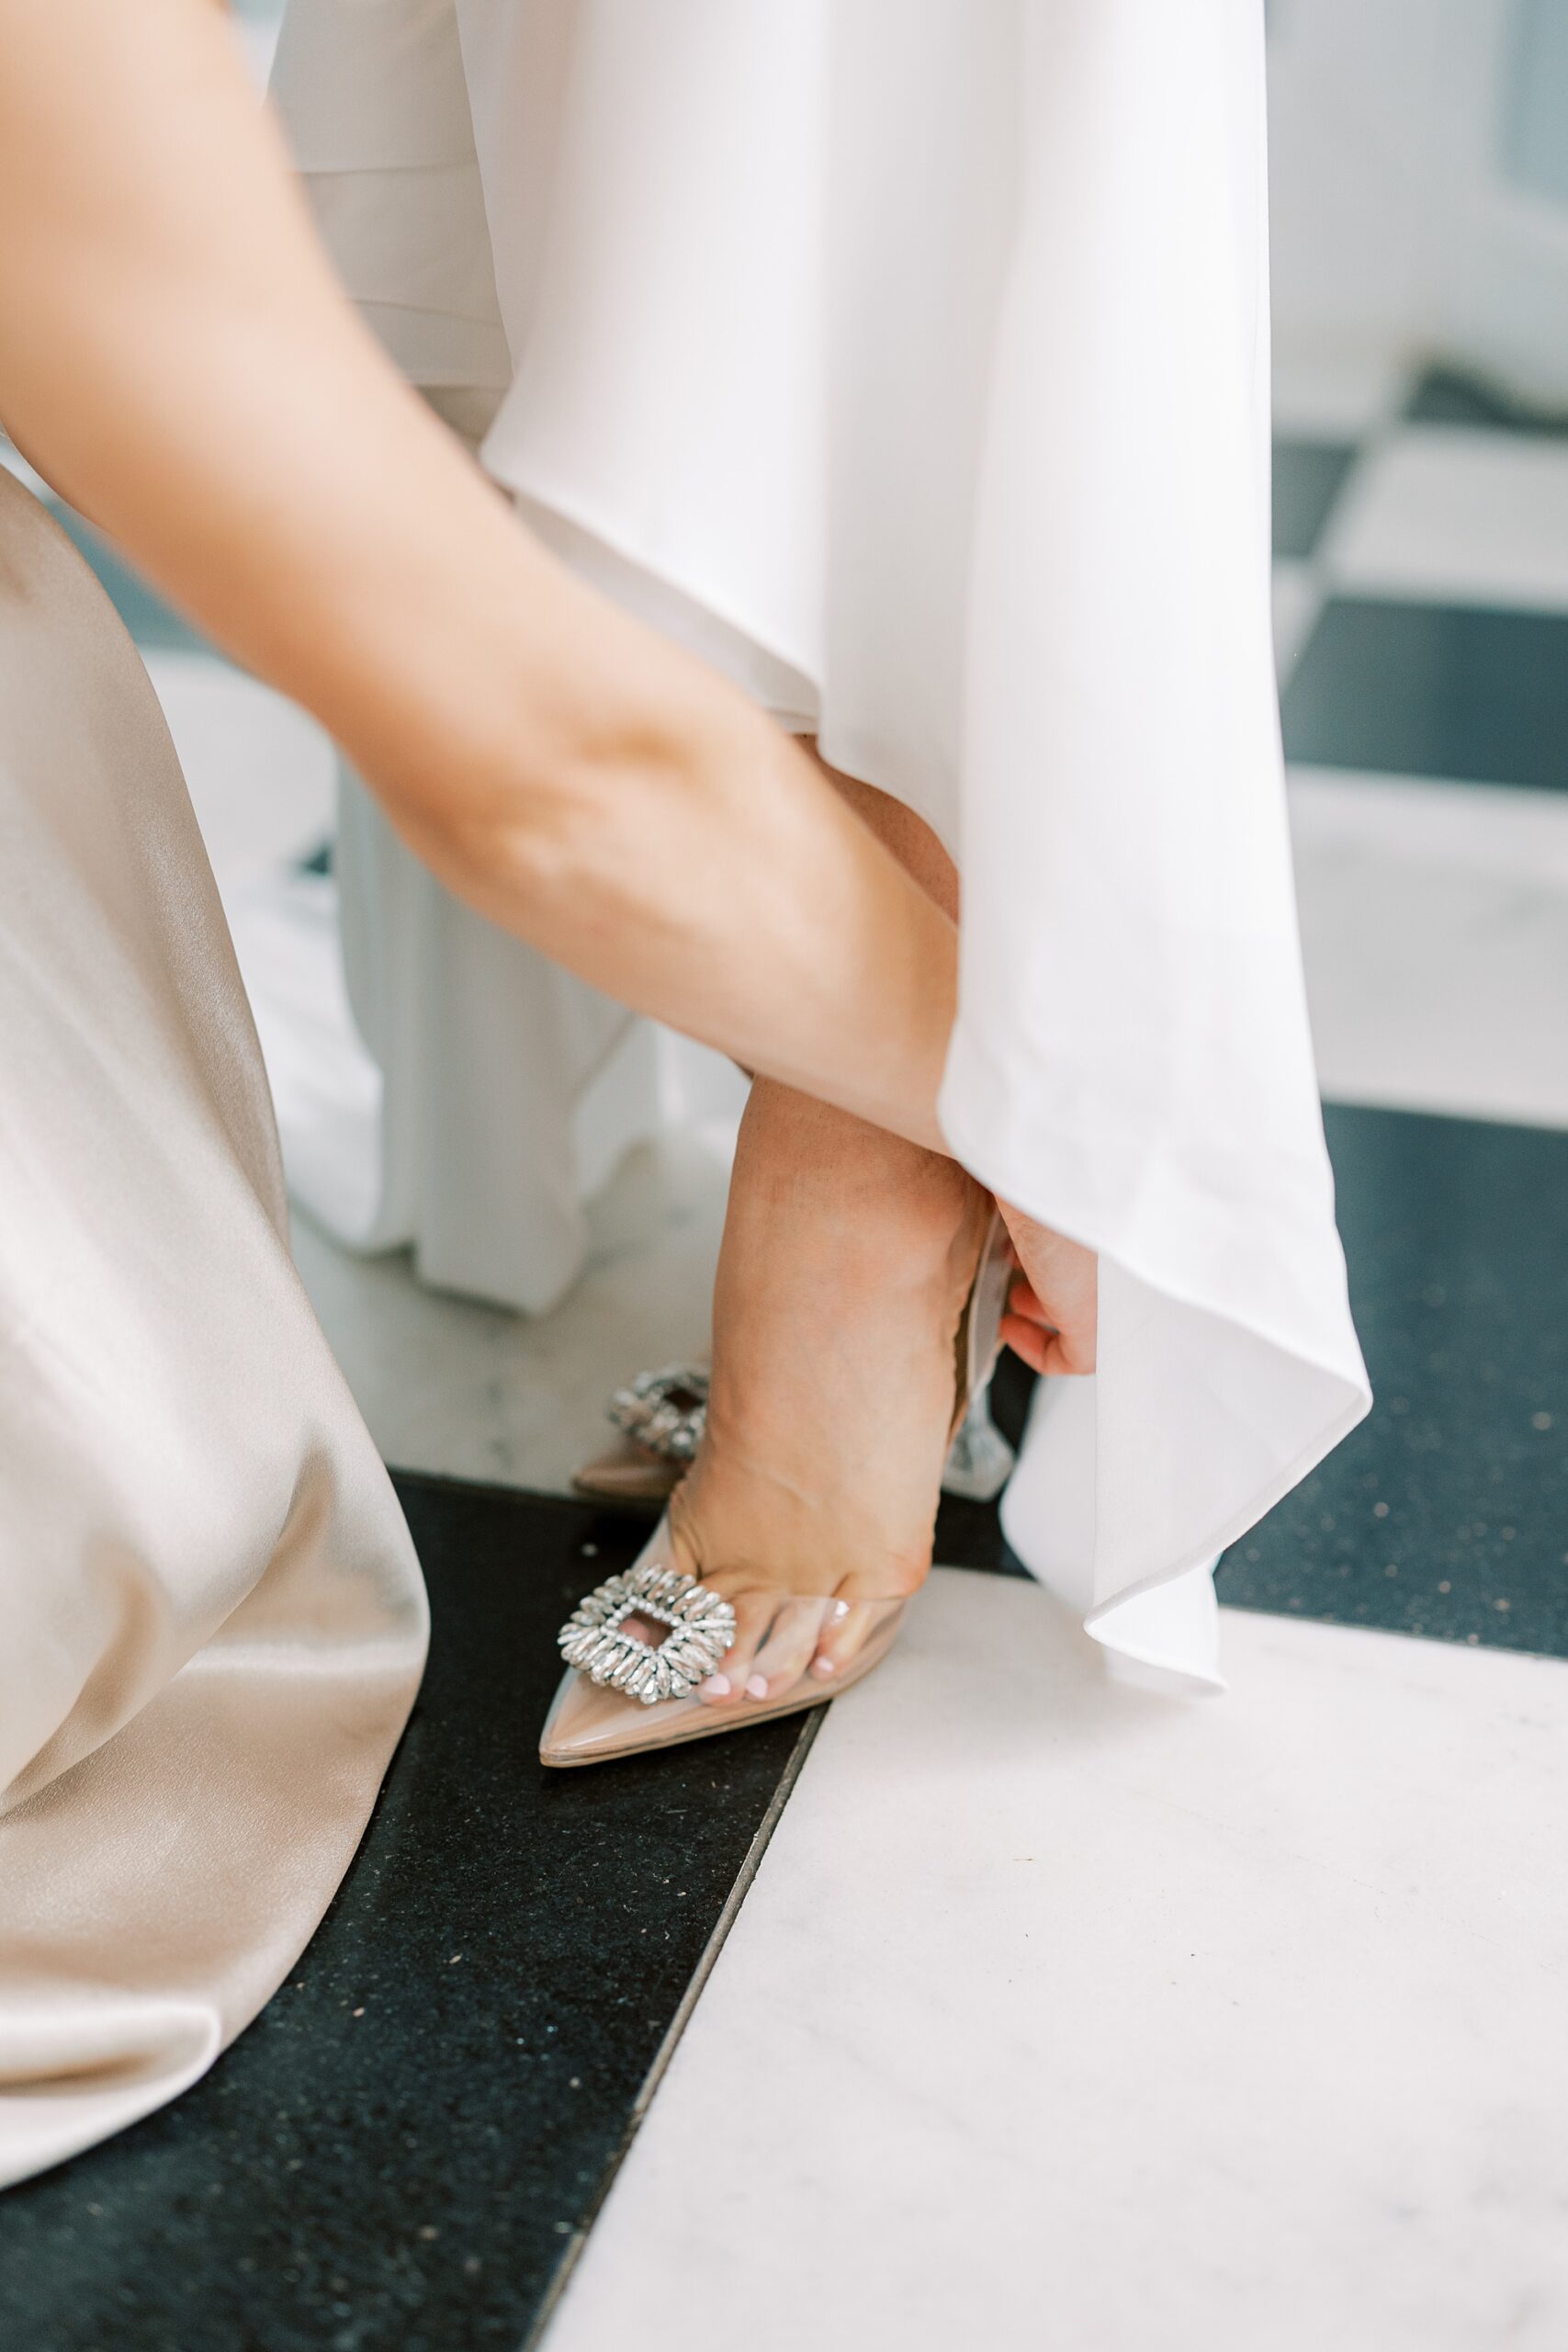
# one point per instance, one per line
(211, 1619)
(909, 359)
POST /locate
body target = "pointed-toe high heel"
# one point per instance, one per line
(654, 1657)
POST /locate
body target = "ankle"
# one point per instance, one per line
(899, 1209)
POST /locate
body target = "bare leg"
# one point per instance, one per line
(847, 1256)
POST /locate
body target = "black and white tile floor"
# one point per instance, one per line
(1057, 2010)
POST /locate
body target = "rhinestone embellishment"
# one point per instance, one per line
(598, 1640)
(664, 1412)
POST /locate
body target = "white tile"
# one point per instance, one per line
(474, 1392)
(1065, 2014)
(1320, 394)
(1446, 513)
(1435, 933)
(260, 772)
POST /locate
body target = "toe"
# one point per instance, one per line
(753, 1614)
(787, 1651)
(847, 1624)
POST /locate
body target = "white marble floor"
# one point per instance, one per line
(1434, 933)
(1063, 2014)
(475, 1392)
(1444, 513)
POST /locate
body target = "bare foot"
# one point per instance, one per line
(848, 1257)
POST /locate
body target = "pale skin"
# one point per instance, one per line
(176, 359)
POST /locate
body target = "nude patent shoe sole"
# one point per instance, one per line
(644, 1645)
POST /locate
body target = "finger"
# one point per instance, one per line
(1069, 1353)
(1027, 1341)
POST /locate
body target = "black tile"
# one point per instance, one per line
(403, 2149)
(1308, 476)
(1433, 690)
(1447, 396)
(1446, 1513)
(149, 619)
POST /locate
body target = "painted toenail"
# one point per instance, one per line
(757, 1686)
(823, 1666)
(715, 1687)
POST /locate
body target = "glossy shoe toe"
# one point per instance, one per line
(587, 1724)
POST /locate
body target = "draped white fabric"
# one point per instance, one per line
(211, 1619)
(909, 359)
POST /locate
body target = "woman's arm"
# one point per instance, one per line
(177, 360)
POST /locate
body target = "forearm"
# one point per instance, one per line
(175, 357)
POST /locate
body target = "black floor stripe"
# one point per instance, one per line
(405, 2148)
(1308, 476)
(1433, 690)
(1446, 1513)
(1447, 396)
(969, 1534)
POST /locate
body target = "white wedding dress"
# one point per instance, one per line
(909, 359)
(211, 1619)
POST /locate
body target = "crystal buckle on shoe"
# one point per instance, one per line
(596, 1639)
(665, 1411)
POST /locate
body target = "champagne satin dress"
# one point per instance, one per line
(910, 360)
(211, 1621)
